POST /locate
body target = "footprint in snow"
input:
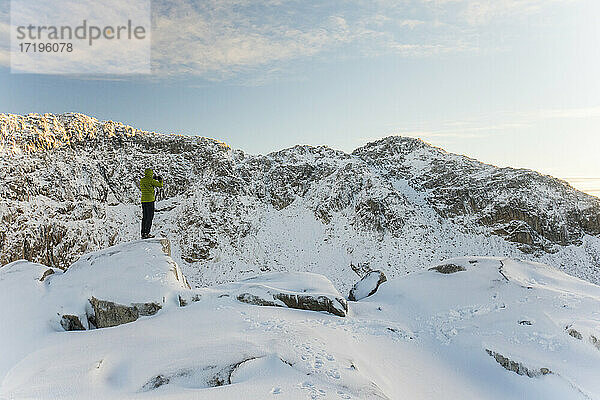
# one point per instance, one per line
(334, 373)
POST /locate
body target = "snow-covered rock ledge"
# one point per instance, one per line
(138, 277)
(301, 290)
(485, 328)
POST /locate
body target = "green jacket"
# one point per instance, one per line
(147, 185)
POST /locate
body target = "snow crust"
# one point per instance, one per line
(423, 335)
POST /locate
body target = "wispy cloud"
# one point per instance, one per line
(222, 39)
(485, 11)
(482, 126)
(218, 39)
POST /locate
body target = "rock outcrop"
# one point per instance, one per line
(517, 367)
(46, 274)
(336, 306)
(367, 286)
(107, 313)
(585, 331)
(448, 268)
(71, 323)
(303, 291)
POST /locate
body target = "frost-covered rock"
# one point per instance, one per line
(367, 286)
(304, 291)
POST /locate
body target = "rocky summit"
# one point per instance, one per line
(69, 186)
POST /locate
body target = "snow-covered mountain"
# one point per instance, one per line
(122, 323)
(397, 204)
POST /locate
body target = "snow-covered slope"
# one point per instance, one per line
(477, 328)
(69, 187)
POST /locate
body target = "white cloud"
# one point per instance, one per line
(411, 23)
(218, 40)
(221, 39)
(568, 113)
(481, 126)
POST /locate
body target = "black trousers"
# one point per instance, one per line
(147, 216)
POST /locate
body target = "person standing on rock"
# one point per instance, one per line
(147, 185)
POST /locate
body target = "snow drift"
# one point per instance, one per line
(485, 328)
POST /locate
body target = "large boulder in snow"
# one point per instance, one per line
(127, 281)
(367, 286)
(300, 290)
(107, 313)
(139, 275)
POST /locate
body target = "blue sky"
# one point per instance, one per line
(510, 82)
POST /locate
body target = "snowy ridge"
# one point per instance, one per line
(34, 132)
(394, 205)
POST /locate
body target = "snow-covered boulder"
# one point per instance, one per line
(124, 282)
(367, 286)
(496, 328)
(301, 290)
(138, 275)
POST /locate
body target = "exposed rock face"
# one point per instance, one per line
(387, 200)
(574, 333)
(71, 323)
(107, 313)
(46, 274)
(146, 309)
(448, 268)
(517, 367)
(256, 300)
(184, 300)
(302, 291)
(367, 286)
(508, 200)
(203, 376)
(595, 341)
(336, 306)
(156, 382)
(584, 332)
